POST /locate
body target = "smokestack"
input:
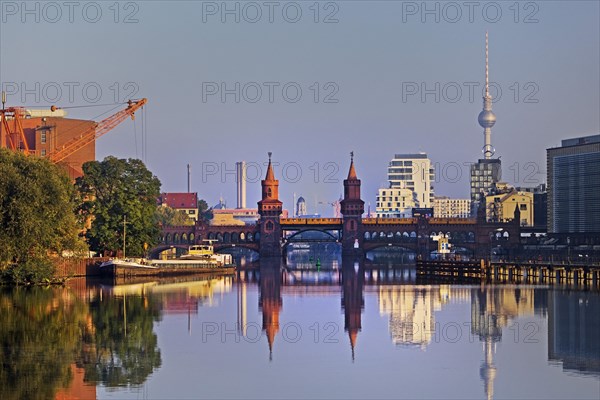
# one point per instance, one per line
(189, 178)
(240, 169)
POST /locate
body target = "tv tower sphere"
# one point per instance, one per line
(487, 118)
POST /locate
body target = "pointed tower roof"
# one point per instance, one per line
(271, 332)
(352, 171)
(353, 334)
(270, 175)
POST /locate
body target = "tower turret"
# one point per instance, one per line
(269, 209)
(352, 207)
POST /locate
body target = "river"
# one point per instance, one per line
(339, 330)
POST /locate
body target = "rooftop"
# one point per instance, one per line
(179, 200)
(410, 156)
(581, 140)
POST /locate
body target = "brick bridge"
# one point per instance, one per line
(272, 234)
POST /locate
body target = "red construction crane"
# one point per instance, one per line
(90, 135)
(13, 139)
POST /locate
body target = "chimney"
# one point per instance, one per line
(189, 176)
(240, 168)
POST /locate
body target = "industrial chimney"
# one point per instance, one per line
(189, 169)
(240, 169)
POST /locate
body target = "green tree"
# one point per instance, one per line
(204, 211)
(115, 189)
(168, 216)
(37, 217)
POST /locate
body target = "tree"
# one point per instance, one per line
(114, 190)
(205, 213)
(168, 216)
(37, 217)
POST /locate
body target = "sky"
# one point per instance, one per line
(311, 82)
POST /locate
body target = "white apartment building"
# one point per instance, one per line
(413, 172)
(395, 203)
(445, 207)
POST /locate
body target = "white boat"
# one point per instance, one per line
(128, 263)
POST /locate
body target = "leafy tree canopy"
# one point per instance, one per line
(204, 211)
(168, 216)
(37, 216)
(115, 189)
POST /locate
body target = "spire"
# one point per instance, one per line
(270, 175)
(352, 171)
(487, 71)
(271, 332)
(353, 335)
(487, 118)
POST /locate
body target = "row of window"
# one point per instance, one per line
(401, 163)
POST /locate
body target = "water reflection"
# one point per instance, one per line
(270, 300)
(573, 329)
(123, 349)
(41, 334)
(352, 300)
(69, 342)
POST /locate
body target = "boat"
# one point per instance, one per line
(199, 259)
(127, 267)
(206, 252)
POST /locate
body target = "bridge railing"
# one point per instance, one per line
(389, 221)
(452, 221)
(310, 221)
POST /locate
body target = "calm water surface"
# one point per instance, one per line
(345, 331)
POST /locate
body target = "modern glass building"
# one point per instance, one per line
(574, 186)
(484, 174)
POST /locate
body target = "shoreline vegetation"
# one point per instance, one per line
(46, 219)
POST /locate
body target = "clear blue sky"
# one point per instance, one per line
(371, 57)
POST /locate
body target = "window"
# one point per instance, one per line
(43, 137)
(43, 152)
(269, 192)
(523, 207)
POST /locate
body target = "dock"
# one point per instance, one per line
(510, 272)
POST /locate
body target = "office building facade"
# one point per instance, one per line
(574, 186)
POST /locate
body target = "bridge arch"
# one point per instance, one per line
(299, 233)
(390, 246)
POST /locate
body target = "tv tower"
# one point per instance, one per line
(487, 118)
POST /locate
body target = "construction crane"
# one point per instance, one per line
(90, 135)
(14, 137)
(336, 207)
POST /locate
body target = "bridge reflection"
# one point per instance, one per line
(411, 308)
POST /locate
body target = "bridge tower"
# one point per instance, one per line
(269, 209)
(352, 208)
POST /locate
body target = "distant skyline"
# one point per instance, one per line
(386, 83)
